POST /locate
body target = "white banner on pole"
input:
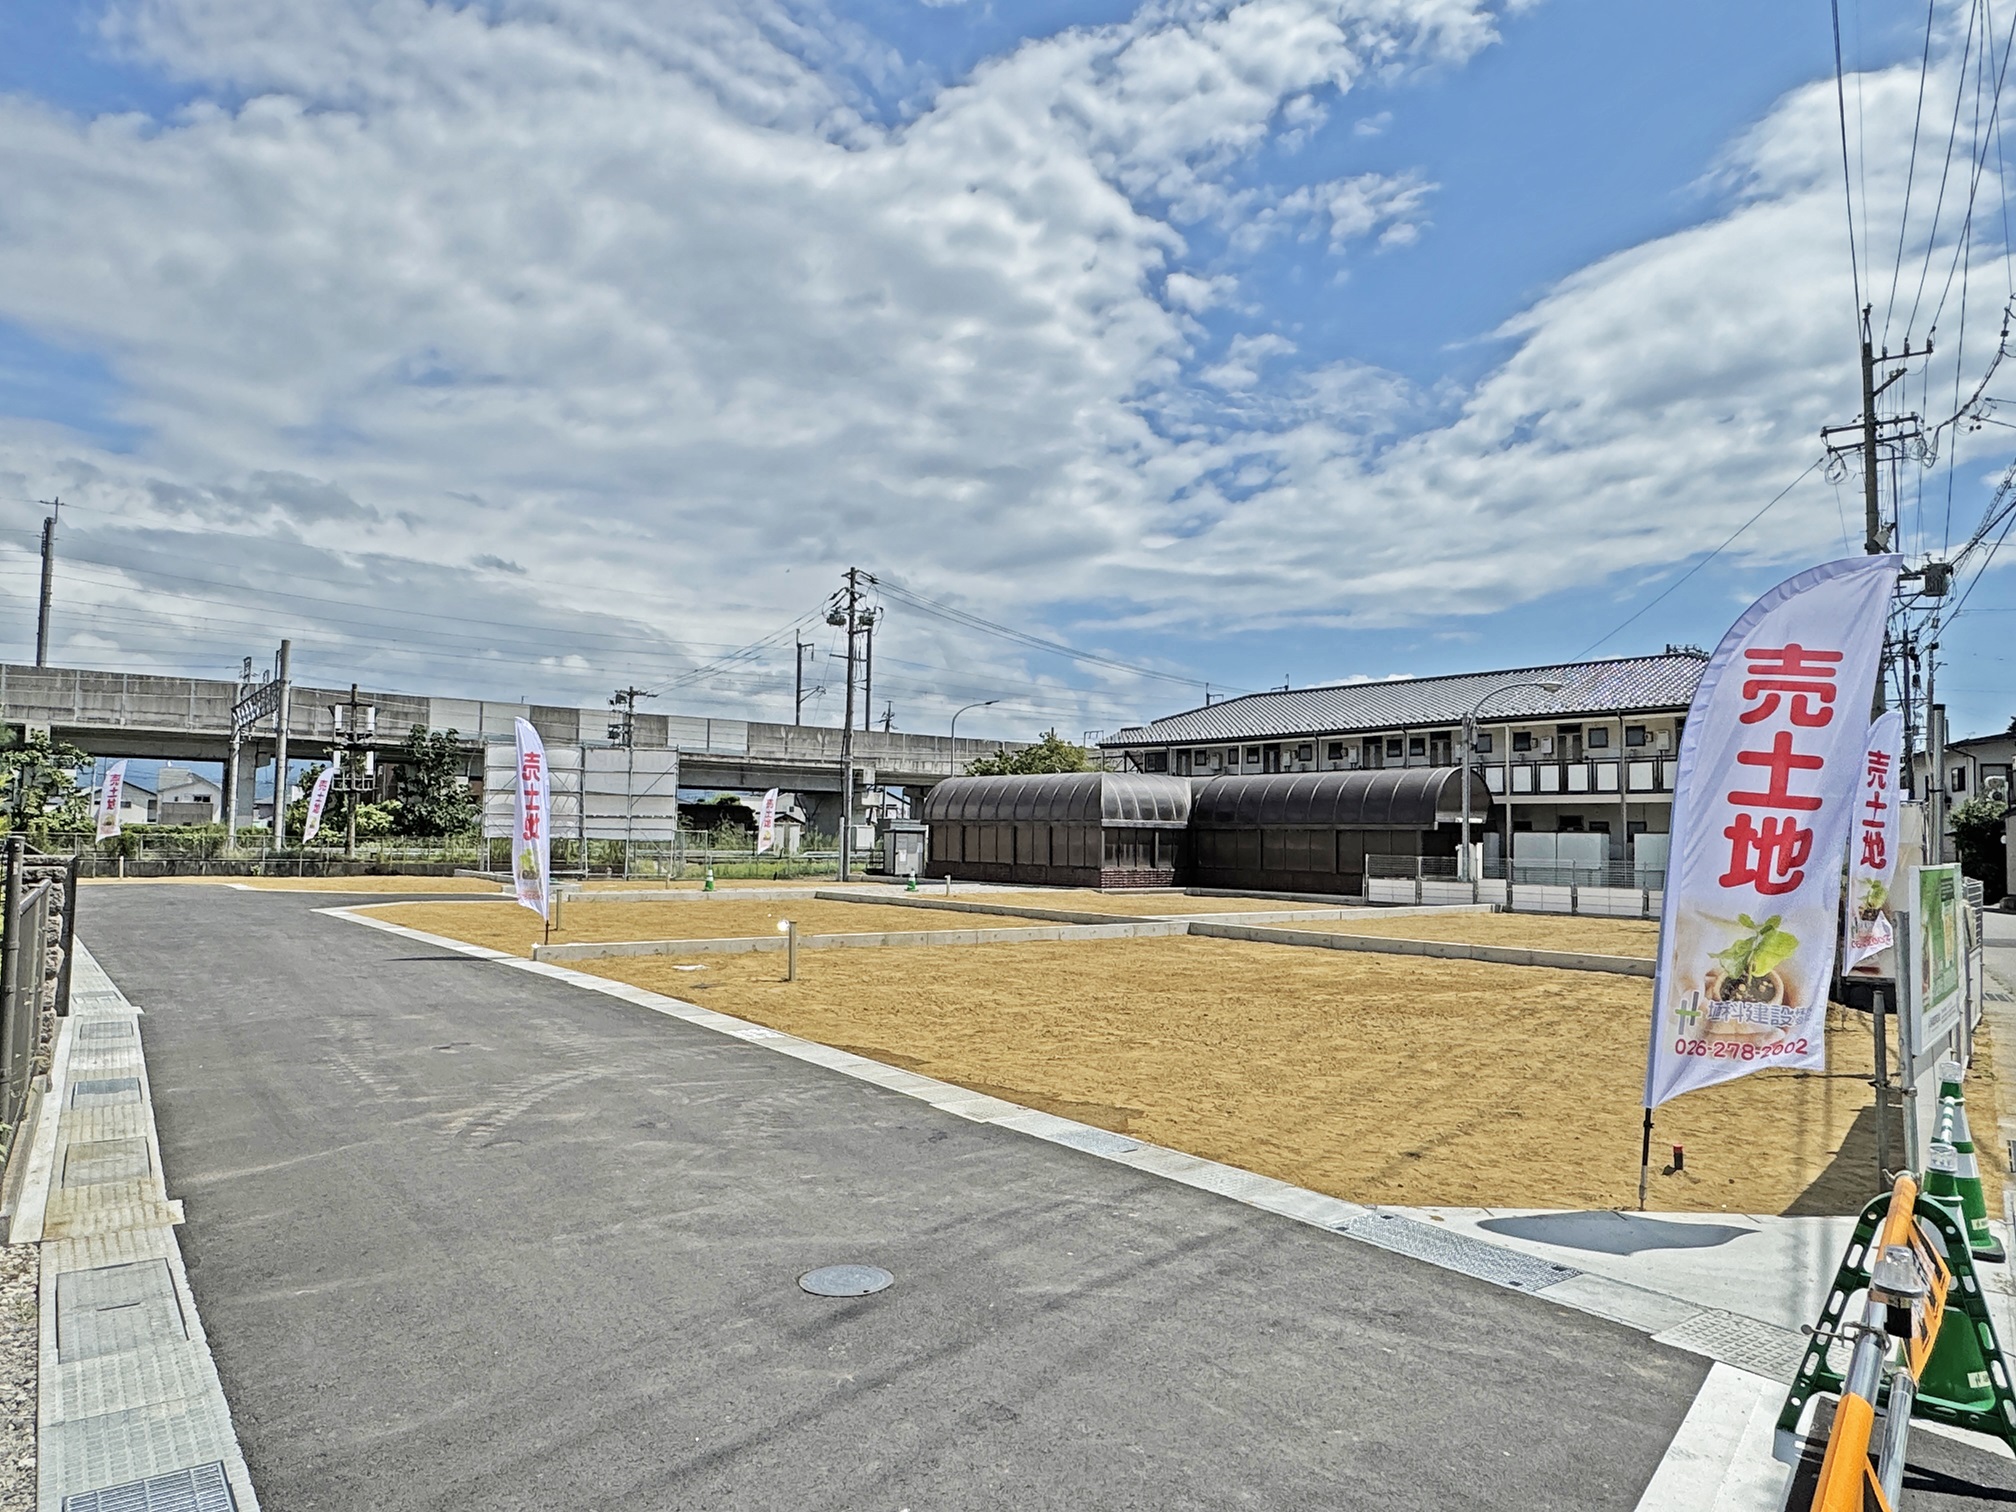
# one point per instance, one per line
(318, 799)
(531, 845)
(1872, 844)
(111, 793)
(766, 823)
(1770, 766)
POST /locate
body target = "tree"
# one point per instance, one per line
(1977, 830)
(38, 787)
(434, 800)
(1050, 754)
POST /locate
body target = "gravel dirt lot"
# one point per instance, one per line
(1372, 1078)
(18, 1345)
(506, 926)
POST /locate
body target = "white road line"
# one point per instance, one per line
(1720, 1460)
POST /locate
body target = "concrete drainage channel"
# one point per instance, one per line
(131, 1416)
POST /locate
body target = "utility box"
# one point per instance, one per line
(903, 847)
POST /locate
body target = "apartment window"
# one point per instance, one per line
(1252, 755)
(1483, 744)
(1959, 779)
(1417, 745)
(1306, 751)
(1334, 751)
(1154, 761)
(1393, 748)
(1200, 759)
(1522, 740)
(1596, 738)
(1635, 735)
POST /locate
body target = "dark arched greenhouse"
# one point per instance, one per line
(1311, 831)
(1066, 829)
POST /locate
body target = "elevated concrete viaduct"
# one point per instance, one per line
(188, 719)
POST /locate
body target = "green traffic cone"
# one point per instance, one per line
(911, 884)
(1953, 1130)
(709, 885)
(1956, 1376)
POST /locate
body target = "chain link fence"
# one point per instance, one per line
(1616, 890)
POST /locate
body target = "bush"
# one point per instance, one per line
(1977, 830)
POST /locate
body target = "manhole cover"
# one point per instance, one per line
(845, 1280)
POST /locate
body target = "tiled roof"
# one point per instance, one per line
(1624, 685)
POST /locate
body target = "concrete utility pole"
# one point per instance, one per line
(798, 679)
(48, 580)
(1873, 436)
(356, 726)
(868, 618)
(624, 733)
(846, 611)
(282, 711)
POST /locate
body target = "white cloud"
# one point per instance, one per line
(645, 300)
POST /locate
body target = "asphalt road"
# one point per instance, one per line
(464, 1237)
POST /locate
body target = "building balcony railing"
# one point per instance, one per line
(1648, 774)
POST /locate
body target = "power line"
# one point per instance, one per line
(1670, 587)
(1847, 179)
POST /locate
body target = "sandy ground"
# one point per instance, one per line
(1372, 1078)
(1618, 937)
(506, 926)
(389, 884)
(18, 1345)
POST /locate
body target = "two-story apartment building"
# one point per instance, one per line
(1584, 748)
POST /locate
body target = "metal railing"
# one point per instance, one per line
(1606, 889)
(37, 918)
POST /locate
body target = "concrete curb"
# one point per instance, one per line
(749, 944)
(953, 905)
(1448, 950)
(1676, 1322)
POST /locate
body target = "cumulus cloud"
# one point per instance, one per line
(627, 325)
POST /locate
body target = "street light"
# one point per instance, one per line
(1552, 685)
(985, 703)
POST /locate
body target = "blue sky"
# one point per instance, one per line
(303, 332)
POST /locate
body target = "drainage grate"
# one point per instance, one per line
(1457, 1252)
(90, 1161)
(202, 1489)
(116, 1307)
(1095, 1141)
(845, 1280)
(1760, 1348)
(105, 1091)
(104, 1029)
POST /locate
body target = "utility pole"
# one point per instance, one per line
(624, 733)
(798, 679)
(845, 609)
(48, 580)
(1873, 438)
(888, 717)
(868, 618)
(283, 708)
(356, 766)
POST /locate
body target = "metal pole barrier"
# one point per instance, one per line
(1882, 1085)
(69, 936)
(789, 928)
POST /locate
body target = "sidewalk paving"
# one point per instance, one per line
(130, 1413)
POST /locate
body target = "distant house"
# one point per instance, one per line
(136, 803)
(1977, 765)
(187, 797)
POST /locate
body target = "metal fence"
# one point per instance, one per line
(1609, 890)
(37, 924)
(690, 855)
